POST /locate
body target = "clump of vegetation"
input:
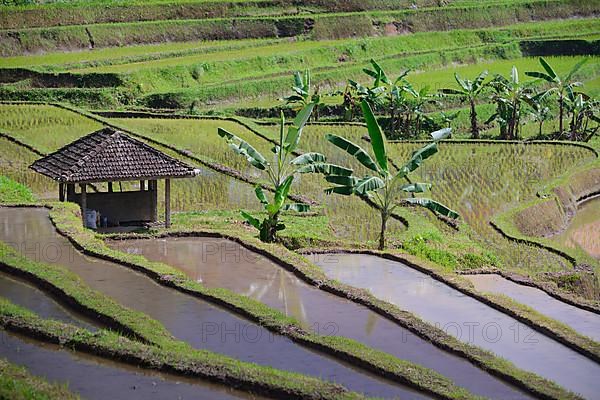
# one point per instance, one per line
(14, 192)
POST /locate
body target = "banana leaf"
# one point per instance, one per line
(308, 158)
(377, 138)
(325, 168)
(353, 149)
(433, 206)
(242, 147)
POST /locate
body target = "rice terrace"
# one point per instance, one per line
(300, 199)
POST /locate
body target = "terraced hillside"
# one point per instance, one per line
(169, 307)
(160, 63)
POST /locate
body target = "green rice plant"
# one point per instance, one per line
(198, 137)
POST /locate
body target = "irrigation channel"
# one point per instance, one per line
(195, 321)
(464, 317)
(226, 264)
(585, 322)
(89, 376)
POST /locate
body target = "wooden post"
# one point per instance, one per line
(70, 192)
(167, 203)
(142, 186)
(110, 187)
(61, 192)
(83, 201)
(153, 187)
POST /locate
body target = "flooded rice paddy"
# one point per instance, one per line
(197, 322)
(226, 264)
(467, 319)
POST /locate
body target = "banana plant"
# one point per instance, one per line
(583, 109)
(562, 85)
(304, 94)
(510, 94)
(280, 172)
(539, 110)
(386, 188)
(469, 90)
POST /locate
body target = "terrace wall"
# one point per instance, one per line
(552, 215)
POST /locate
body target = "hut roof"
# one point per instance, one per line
(110, 155)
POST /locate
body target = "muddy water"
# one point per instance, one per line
(96, 378)
(584, 229)
(31, 298)
(585, 322)
(465, 318)
(187, 318)
(223, 263)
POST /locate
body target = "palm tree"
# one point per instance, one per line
(562, 85)
(383, 186)
(469, 90)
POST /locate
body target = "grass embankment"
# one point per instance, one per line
(18, 384)
(14, 192)
(320, 26)
(70, 290)
(180, 78)
(191, 363)
(165, 54)
(65, 218)
(67, 221)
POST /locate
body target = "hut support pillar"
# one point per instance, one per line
(153, 188)
(61, 192)
(167, 203)
(83, 201)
